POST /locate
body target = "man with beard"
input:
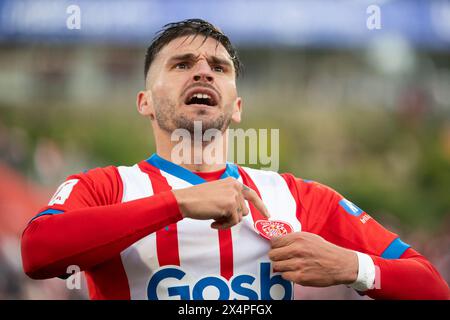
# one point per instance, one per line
(199, 230)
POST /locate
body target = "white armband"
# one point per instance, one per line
(366, 273)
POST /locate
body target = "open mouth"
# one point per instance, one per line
(201, 97)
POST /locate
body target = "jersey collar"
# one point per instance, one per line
(231, 170)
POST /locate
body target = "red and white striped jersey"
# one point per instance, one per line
(188, 259)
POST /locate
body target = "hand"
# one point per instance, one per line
(222, 200)
(309, 260)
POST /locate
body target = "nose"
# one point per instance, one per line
(203, 72)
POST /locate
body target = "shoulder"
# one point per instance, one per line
(309, 188)
(94, 187)
(316, 200)
(303, 190)
(100, 173)
(302, 186)
(99, 176)
(262, 177)
(102, 183)
(305, 187)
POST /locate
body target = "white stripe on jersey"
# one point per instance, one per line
(281, 205)
(140, 258)
(198, 243)
(136, 184)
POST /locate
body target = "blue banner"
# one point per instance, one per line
(329, 23)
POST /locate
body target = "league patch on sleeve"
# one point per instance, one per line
(63, 192)
(350, 207)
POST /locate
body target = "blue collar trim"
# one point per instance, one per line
(231, 170)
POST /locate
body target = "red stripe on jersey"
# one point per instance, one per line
(166, 238)
(167, 246)
(226, 253)
(292, 186)
(225, 236)
(100, 285)
(256, 215)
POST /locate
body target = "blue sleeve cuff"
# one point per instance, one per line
(48, 211)
(395, 249)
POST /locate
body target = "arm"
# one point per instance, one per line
(85, 224)
(89, 228)
(411, 276)
(339, 228)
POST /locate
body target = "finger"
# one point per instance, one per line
(245, 208)
(237, 216)
(240, 215)
(238, 207)
(284, 253)
(290, 275)
(222, 221)
(222, 225)
(278, 242)
(253, 197)
(242, 207)
(219, 225)
(227, 221)
(286, 265)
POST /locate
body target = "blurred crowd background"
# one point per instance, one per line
(363, 110)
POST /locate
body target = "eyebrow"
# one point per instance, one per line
(193, 57)
(217, 60)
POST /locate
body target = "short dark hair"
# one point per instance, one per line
(185, 28)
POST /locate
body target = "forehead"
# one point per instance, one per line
(193, 44)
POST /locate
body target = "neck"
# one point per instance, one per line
(192, 154)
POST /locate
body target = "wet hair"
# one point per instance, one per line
(189, 27)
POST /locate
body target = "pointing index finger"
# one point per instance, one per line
(252, 196)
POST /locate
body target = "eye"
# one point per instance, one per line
(218, 68)
(182, 66)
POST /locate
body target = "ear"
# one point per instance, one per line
(237, 110)
(144, 103)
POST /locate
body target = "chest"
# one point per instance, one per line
(190, 260)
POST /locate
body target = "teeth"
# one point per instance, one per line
(201, 96)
